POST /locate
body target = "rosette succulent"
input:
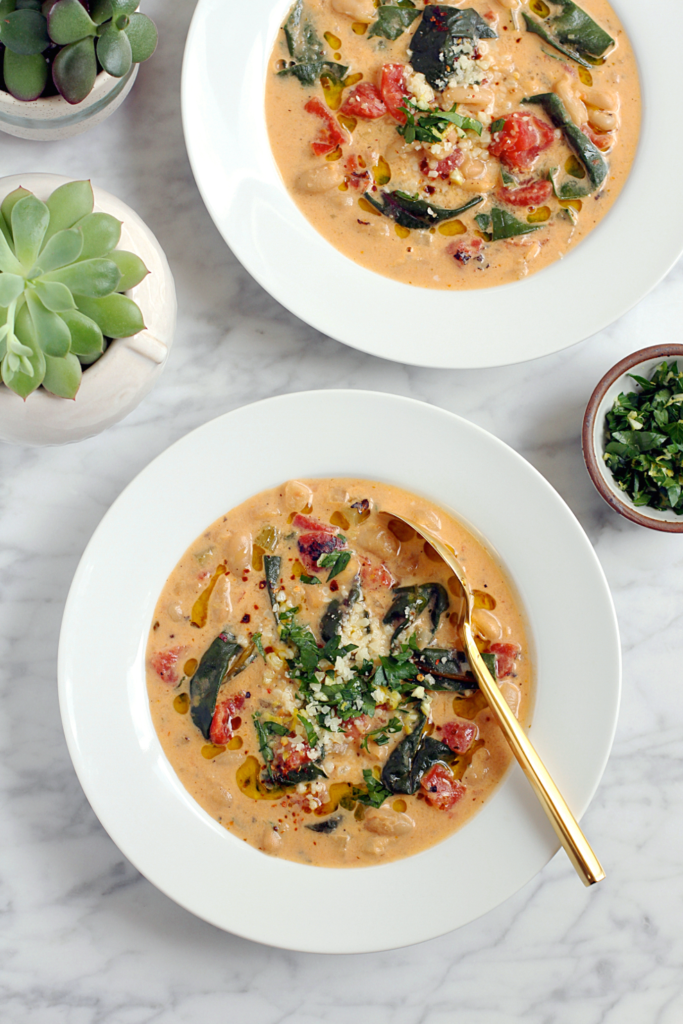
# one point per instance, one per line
(61, 285)
(73, 39)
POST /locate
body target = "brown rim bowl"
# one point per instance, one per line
(615, 381)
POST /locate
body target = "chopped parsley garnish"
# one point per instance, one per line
(644, 435)
(258, 643)
(335, 561)
(497, 125)
(433, 125)
(376, 794)
(311, 580)
(381, 736)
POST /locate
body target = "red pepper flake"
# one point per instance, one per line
(334, 585)
(246, 618)
(269, 650)
(262, 585)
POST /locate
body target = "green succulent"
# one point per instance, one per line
(61, 279)
(74, 38)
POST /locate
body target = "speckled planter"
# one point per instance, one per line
(51, 117)
(114, 385)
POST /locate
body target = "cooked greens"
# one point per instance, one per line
(432, 126)
(644, 440)
(306, 49)
(414, 213)
(501, 224)
(573, 33)
(410, 602)
(438, 42)
(412, 758)
(394, 19)
(219, 661)
(588, 153)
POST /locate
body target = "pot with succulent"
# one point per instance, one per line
(68, 64)
(80, 317)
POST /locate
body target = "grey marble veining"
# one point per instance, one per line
(84, 939)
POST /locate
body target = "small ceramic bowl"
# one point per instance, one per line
(616, 380)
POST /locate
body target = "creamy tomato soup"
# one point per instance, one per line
(453, 145)
(307, 679)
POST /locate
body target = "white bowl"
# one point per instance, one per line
(226, 64)
(103, 696)
(119, 380)
(51, 117)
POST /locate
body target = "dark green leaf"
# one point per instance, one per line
(310, 72)
(393, 21)
(414, 213)
(310, 580)
(409, 603)
(396, 774)
(376, 792)
(504, 225)
(335, 561)
(303, 42)
(212, 671)
(436, 45)
(589, 155)
(573, 33)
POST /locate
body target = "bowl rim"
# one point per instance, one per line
(611, 496)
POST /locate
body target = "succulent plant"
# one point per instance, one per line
(61, 279)
(73, 38)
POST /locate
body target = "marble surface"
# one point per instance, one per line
(84, 938)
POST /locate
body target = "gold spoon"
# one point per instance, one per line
(561, 818)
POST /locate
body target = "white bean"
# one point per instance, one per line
(512, 695)
(604, 120)
(568, 93)
(386, 822)
(321, 179)
(238, 548)
(297, 495)
(359, 10)
(486, 624)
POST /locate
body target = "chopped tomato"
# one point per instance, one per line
(375, 575)
(364, 101)
(521, 139)
(444, 167)
(225, 719)
(602, 140)
(302, 522)
(459, 735)
(530, 193)
(313, 546)
(358, 177)
(290, 759)
(164, 664)
(356, 728)
(441, 789)
(330, 134)
(463, 252)
(506, 655)
(393, 89)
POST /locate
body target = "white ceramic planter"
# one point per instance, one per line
(51, 117)
(130, 367)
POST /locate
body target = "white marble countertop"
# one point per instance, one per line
(84, 938)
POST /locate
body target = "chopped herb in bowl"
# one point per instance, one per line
(644, 440)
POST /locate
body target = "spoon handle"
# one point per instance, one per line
(561, 818)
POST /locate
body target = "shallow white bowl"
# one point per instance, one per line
(226, 64)
(105, 711)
